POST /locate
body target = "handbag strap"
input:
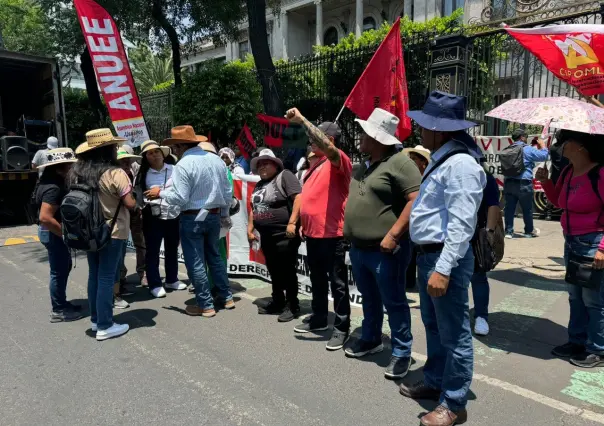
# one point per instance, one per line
(570, 177)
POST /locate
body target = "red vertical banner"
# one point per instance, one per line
(112, 71)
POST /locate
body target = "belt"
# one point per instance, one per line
(196, 212)
(430, 248)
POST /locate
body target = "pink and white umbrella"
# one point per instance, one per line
(563, 112)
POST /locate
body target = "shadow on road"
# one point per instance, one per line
(523, 278)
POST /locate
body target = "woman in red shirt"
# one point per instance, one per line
(580, 193)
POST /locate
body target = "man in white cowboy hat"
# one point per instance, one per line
(420, 155)
(381, 194)
(49, 194)
(201, 189)
(443, 221)
(323, 199)
(128, 163)
(40, 155)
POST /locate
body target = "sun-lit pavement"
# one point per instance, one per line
(241, 368)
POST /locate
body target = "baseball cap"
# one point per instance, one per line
(330, 129)
(52, 143)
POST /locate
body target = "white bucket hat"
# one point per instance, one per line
(381, 126)
(266, 154)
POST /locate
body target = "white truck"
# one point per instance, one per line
(31, 110)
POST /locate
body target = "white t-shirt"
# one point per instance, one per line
(39, 159)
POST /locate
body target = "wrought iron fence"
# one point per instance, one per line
(157, 108)
(499, 69)
(319, 84)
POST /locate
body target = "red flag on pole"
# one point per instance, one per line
(112, 71)
(573, 53)
(383, 84)
(245, 142)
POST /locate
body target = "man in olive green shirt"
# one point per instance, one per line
(376, 221)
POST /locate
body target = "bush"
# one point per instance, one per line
(219, 98)
(79, 116)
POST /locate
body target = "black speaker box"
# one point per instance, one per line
(15, 153)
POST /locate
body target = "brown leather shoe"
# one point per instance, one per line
(196, 311)
(442, 416)
(229, 304)
(419, 390)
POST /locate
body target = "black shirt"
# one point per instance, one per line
(271, 205)
(51, 190)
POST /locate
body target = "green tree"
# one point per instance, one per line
(150, 69)
(24, 27)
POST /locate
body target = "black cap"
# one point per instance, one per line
(518, 133)
(330, 129)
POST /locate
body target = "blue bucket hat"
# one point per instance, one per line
(443, 112)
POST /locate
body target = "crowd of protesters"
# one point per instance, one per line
(403, 217)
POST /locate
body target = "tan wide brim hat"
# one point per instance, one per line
(184, 134)
(58, 156)
(122, 155)
(97, 139)
(419, 150)
(151, 145)
(208, 147)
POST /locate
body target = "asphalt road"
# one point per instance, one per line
(242, 369)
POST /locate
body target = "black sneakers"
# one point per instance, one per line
(398, 368)
(587, 360)
(65, 316)
(568, 350)
(271, 308)
(289, 314)
(361, 348)
(310, 327)
(337, 341)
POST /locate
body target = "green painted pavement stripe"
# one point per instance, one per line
(587, 386)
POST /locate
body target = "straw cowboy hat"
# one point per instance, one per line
(381, 126)
(97, 139)
(419, 150)
(151, 145)
(184, 134)
(58, 156)
(442, 112)
(208, 147)
(266, 154)
(126, 151)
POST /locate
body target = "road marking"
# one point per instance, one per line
(587, 386)
(13, 241)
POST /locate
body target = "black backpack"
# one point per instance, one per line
(512, 160)
(84, 225)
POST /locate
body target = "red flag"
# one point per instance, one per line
(383, 84)
(573, 53)
(112, 71)
(245, 142)
(273, 129)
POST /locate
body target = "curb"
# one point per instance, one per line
(15, 241)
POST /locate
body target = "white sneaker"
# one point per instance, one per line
(158, 292)
(509, 236)
(114, 331)
(178, 285)
(481, 327)
(93, 326)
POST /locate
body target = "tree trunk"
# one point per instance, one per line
(159, 16)
(92, 88)
(256, 12)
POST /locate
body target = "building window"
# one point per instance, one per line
(330, 37)
(369, 24)
(450, 6)
(244, 49)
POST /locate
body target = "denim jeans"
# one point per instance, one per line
(450, 361)
(480, 292)
(378, 280)
(199, 241)
(59, 259)
(103, 272)
(586, 323)
(157, 230)
(518, 191)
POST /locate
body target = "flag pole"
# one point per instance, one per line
(339, 114)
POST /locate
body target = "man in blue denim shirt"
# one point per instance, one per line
(443, 221)
(519, 189)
